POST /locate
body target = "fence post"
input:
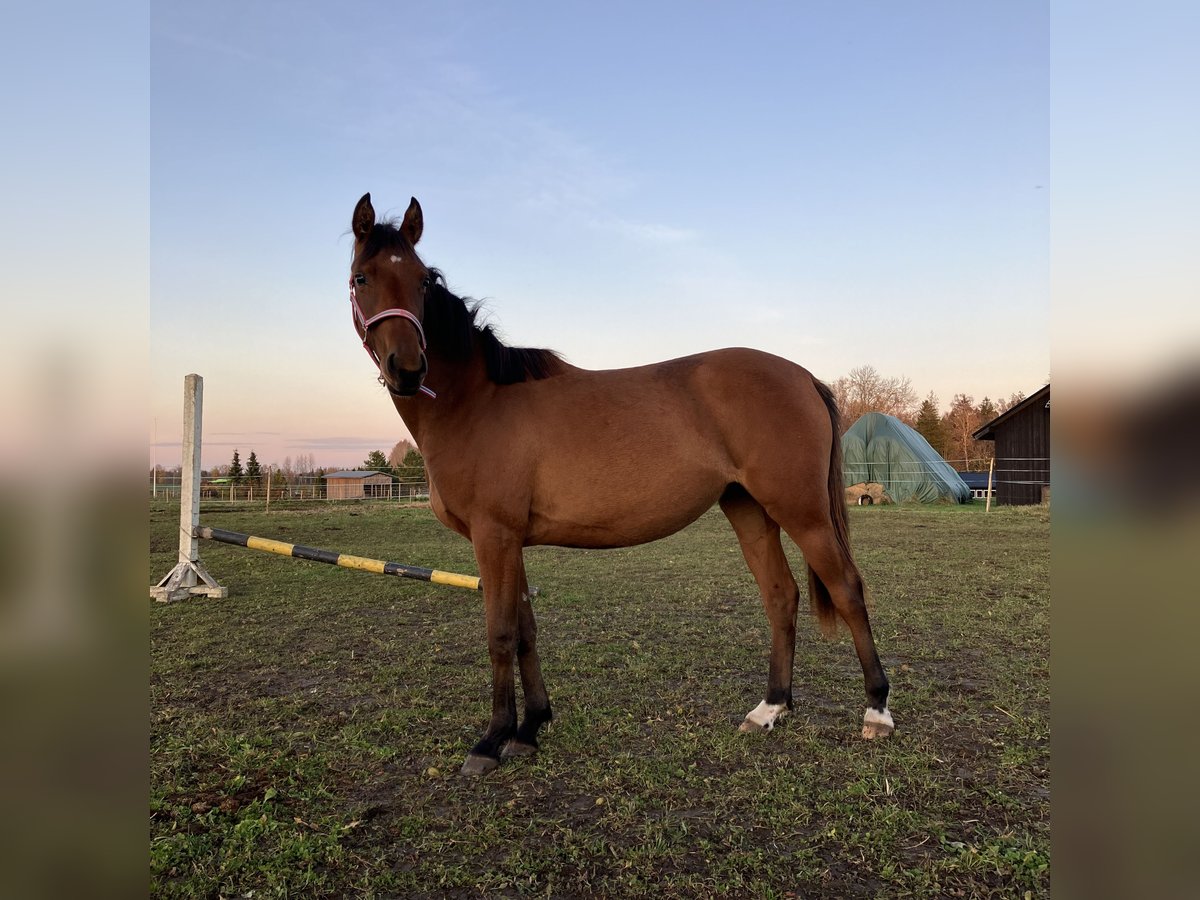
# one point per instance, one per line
(991, 469)
(189, 576)
(189, 488)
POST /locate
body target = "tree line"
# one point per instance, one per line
(861, 391)
(404, 463)
(865, 390)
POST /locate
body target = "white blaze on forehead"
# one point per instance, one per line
(766, 713)
(397, 259)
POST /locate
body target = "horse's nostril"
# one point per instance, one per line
(392, 366)
(401, 375)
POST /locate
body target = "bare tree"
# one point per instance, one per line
(864, 390)
(396, 457)
(962, 451)
(1014, 398)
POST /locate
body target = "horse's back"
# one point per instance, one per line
(707, 401)
(629, 455)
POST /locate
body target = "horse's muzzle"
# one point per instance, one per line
(402, 382)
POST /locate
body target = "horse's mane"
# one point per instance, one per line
(452, 323)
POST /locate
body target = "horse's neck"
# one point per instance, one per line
(461, 387)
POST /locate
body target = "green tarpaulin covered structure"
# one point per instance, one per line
(882, 449)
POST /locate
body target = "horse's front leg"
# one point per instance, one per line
(502, 571)
(537, 703)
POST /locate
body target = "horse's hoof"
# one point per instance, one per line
(877, 724)
(479, 765)
(518, 748)
(762, 718)
(749, 727)
(872, 730)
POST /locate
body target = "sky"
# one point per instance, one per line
(839, 184)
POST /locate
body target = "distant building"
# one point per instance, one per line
(1022, 437)
(978, 483)
(357, 484)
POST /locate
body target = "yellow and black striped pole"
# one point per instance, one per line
(299, 551)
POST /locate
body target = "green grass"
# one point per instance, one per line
(307, 731)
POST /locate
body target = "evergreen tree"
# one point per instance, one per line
(253, 470)
(929, 424)
(412, 470)
(987, 411)
(235, 468)
(376, 462)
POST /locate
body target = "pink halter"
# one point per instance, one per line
(365, 324)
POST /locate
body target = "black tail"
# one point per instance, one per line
(818, 595)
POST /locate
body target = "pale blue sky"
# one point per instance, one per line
(841, 184)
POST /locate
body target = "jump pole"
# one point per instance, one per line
(190, 578)
(345, 560)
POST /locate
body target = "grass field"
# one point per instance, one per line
(307, 732)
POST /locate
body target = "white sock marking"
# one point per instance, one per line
(765, 714)
(875, 717)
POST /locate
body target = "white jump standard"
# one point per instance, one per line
(189, 577)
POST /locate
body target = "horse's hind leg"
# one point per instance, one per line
(758, 535)
(537, 703)
(838, 577)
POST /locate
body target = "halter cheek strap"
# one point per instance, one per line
(365, 324)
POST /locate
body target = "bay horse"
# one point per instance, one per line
(523, 449)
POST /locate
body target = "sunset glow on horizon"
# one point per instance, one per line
(846, 187)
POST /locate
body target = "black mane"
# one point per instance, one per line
(451, 323)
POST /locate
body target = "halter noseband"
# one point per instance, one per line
(395, 313)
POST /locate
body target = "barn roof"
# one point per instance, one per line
(976, 481)
(356, 473)
(987, 432)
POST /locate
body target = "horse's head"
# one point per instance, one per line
(388, 283)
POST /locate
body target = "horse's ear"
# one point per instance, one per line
(364, 218)
(414, 222)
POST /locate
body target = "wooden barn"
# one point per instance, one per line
(1022, 437)
(357, 484)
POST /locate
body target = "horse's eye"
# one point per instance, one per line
(359, 278)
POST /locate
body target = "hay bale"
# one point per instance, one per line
(871, 490)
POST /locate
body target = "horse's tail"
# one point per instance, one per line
(818, 594)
